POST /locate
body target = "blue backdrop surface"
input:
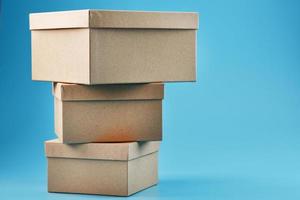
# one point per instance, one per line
(232, 135)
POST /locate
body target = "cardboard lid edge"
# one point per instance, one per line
(59, 20)
(125, 152)
(113, 19)
(59, 91)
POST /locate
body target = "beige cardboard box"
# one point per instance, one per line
(106, 47)
(108, 113)
(102, 168)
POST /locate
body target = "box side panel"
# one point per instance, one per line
(142, 56)
(58, 118)
(142, 173)
(61, 55)
(112, 121)
(87, 176)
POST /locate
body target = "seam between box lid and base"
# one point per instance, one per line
(117, 160)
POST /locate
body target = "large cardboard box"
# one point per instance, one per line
(105, 47)
(102, 168)
(108, 113)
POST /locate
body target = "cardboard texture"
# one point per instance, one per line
(108, 113)
(102, 168)
(109, 47)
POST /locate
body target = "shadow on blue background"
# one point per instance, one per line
(232, 135)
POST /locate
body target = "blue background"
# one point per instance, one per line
(235, 134)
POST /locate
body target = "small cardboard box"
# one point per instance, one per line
(102, 168)
(108, 113)
(108, 47)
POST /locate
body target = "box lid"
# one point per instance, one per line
(101, 151)
(74, 92)
(113, 19)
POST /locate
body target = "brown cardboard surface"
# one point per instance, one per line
(101, 151)
(111, 47)
(108, 121)
(142, 172)
(112, 113)
(113, 19)
(74, 92)
(80, 174)
(132, 55)
(56, 20)
(61, 55)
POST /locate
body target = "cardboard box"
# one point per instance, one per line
(108, 47)
(108, 113)
(102, 168)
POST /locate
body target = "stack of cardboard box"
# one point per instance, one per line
(107, 69)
